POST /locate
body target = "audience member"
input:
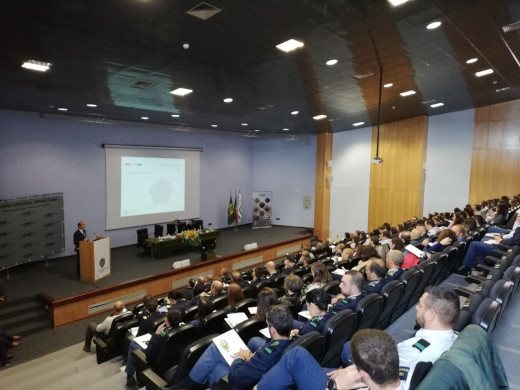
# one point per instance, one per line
(320, 276)
(104, 327)
(376, 272)
(293, 285)
(289, 265)
(7, 342)
(247, 367)
(394, 261)
(351, 285)
(204, 307)
(234, 294)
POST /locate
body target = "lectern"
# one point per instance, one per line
(94, 259)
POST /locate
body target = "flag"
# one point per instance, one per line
(235, 210)
(238, 208)
(231, 210)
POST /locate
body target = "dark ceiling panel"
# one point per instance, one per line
(127, 55)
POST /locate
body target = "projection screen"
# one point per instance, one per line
(148, 185)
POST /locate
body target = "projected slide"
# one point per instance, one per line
(151, 185)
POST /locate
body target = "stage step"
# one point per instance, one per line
(23, 316)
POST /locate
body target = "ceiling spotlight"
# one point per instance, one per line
(214, 125)
(388, 85)
(145, 118)
(181, 91)
(358, 124)
(91, 105)
(395, 3)
(285, 129)
(331, 62)
(436, 105)
(257, 131)
(175, 115)
(484, 72)
(318, 117)
(227, 100)
(63, 109)
(407, 93)
(290, 45)
(433, 25)
(295, 112)
(471, 60)
(244, 124)
(185, 45)
(37, 65)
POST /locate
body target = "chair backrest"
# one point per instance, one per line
(199, 224)
(451, 261)
(137, 308)
(118, 333)
(279, 281)
(411, 279)
(249, 292)
(220, 302)
(462, 248)
(178, 339)
(244, 304)
(158, 230)
(250, 328)
(392, 293)
(214, 322)
(189, 356)
(190, 313)
(486, 315)
(142, 235)
(118, 320)
(300, 272)
(313, 342)
(501, 292)
(427, 269)
(368, 311)
(264, 283)
(332, 287)
(170, 228)
(441, 269)
(182, 226)
(512, 275)
(338, 330)
(307, 278)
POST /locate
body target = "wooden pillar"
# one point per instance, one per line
(323, 171)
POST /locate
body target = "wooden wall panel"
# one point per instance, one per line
(397, 185)
(322, 192)
(496, 147)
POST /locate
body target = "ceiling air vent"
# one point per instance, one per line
(204, 11)
(511, 27)
(265, 107)
(141, 84)
(363, 75)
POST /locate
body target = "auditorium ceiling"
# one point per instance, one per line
(114, 60)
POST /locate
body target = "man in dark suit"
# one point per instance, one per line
(79, 235)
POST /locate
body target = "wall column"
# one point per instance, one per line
(322, 201)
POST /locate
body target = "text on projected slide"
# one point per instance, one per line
(151, 185)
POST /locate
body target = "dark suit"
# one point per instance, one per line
(78, 237)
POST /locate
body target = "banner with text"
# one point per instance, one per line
(262, 209)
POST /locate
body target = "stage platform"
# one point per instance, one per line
(133, 275)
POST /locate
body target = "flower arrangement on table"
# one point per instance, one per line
(191, 238)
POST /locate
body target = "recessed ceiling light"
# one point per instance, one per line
(257, 131)
(228, 100)
(285, 129)
(214, 125)
(407, 93)
(145, 118)
(295, 112)
(435, 105)
(290, 45)
(63, 109)
(331, 62)
(502, 89)
(433, 25)
(358, 124)
(244, 124)
(388, 85)
(37, 65)
(471, 60)
(484, 72)
(91, 105)
(175, 115)
(318, 117)
(181, 91)
(395, 3)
